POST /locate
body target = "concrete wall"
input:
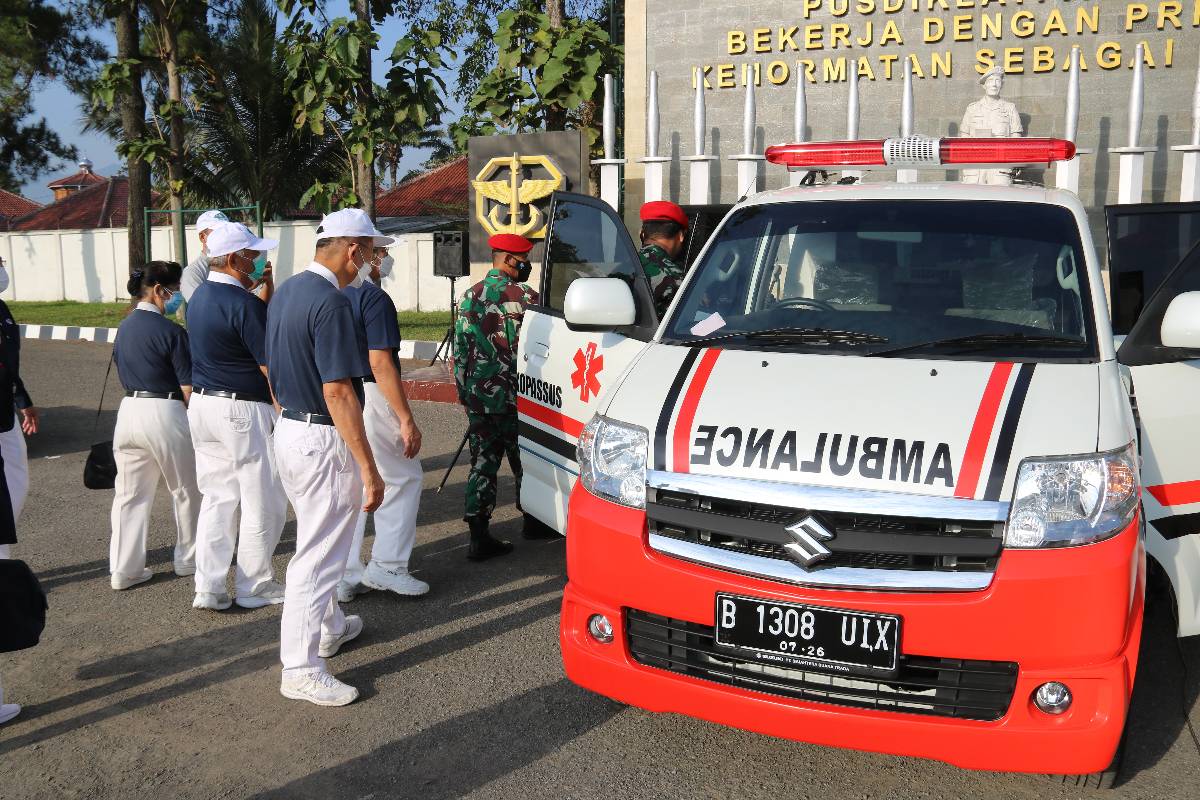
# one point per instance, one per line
(676, 36)
(90, 266)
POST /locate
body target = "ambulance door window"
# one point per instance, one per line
(563, 374)
(1165, 387)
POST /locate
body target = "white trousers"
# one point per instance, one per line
(151, 441)
(235, 465)
(16, 466)
(396, 518)
(322, 481)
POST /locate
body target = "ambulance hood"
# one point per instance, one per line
(929, 427)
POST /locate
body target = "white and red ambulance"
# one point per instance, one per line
(875, 479)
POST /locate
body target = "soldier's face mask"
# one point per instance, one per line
(524, 270)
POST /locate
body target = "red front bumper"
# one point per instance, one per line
(1071, 615)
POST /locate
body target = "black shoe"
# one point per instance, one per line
(535, 530)
(483, 545)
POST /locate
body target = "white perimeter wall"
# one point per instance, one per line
(91, 266)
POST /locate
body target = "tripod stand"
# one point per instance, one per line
(445, 349)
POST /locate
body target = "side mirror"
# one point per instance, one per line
(1181, 324)
(599, 304)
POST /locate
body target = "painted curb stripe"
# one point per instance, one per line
(548, 416)
(981, 431)
(1008, 431)
(547, 440)
(1176, 494)
(687, 409)
(668, 408)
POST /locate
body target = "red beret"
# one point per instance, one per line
(510, 243)
(663, 211)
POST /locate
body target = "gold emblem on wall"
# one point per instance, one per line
(514, 195)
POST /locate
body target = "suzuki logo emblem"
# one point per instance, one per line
(806, 548)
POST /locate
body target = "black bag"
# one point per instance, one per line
(100, 469)
(22, 606)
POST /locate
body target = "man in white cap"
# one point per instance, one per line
(231, 416)
(395, 441)
(321, 447)
(197, 270)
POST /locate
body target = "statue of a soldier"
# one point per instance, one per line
(988, 117)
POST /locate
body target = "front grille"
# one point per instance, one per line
(943, 687)
(872, 541)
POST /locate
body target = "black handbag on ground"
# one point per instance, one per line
(22, 606)
(100, 469)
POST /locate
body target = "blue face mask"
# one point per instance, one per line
(173, 303)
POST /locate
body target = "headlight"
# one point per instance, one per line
(612, 461)
(1061, 502)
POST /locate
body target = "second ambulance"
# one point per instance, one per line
(875, 480)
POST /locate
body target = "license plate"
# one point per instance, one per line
(790, 634)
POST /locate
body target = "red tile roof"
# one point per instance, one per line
(81, 178)
(442, 191)
(102, 205)
(13, 205)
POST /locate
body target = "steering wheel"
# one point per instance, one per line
(804, 302)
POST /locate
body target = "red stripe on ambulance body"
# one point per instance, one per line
(687, 409)
(981, 431)
(548, 416)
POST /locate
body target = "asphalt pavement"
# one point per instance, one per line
(135, 694)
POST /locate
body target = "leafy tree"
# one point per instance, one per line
(242, 145)
(329, 77)
(38, 43)
(548, 73)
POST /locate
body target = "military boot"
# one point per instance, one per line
(483, 545)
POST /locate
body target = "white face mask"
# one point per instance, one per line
(385, 267)
(3, 279)
(364, 273)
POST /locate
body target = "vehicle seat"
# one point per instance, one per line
(1002, 291)
(850, 286)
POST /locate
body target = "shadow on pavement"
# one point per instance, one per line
(461, 754)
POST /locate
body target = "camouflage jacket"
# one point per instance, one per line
(664, 275)
(485, 343)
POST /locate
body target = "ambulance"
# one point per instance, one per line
(875, 480)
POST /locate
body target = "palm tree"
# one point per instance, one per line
(244, 147)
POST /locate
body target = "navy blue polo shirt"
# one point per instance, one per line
(152, 353)
(311, 340)
(375, 314)
(227, 327)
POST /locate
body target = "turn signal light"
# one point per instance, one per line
(921, 151)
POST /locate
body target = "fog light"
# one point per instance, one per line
(1052, 697)
(600, 628)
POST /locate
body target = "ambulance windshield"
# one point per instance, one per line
(915, 277)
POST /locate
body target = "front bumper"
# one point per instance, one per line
(1071, 615)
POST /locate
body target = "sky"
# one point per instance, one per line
(62, 111)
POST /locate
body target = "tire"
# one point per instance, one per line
(1104, 780)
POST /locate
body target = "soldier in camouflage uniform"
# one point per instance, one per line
(485, 371)
(663, 228)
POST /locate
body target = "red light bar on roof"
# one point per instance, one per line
(922, 151)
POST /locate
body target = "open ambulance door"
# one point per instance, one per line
(1164, 368)
(563, 374)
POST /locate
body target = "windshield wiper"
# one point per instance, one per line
(800, 335)
(982, 340)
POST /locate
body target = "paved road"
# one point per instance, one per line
(135, 694)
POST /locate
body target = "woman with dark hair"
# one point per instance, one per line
(152, 438)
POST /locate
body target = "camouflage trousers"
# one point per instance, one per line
(491, 437)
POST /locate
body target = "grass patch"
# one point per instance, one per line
(427, 326)
(67, 312)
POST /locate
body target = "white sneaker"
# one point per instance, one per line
(331, 644)
(269, 594)
(394, 580)
(317, 687)
(8, 711)
(211, 601)
(185, 570)
(346, 591)
(120, 582)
